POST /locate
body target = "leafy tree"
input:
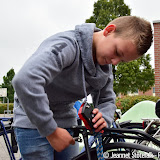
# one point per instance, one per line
(134, 75)
(107, 10)
(7, 84)
(131, 76)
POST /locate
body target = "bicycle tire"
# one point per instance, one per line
(112, 148)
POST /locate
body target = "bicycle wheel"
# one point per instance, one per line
(125, 151)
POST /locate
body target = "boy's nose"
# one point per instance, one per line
(115, 61)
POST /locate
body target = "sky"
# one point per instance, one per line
(24, 24)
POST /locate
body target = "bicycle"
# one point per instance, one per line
(114, 141)
(149, 125)
(5, 130)
(109, 133)
(116, 147)
(111, 148)
(119, 135)
(152, 127)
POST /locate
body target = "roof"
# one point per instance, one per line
(156, 21)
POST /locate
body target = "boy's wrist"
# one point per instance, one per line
(53, 134)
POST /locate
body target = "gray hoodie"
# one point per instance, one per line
(59, 73)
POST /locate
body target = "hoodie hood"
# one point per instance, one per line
(84, 33)
(94, 72)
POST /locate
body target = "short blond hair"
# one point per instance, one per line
(135, 28)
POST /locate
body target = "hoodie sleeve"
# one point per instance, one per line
(106, 102)
(39, 71)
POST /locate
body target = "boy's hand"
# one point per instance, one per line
(99, 121)
(60, 139)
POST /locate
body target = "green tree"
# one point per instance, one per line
(138, 74)
(107, 10)
(131, 76)
(7, 84)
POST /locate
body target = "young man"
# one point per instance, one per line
(65, 68)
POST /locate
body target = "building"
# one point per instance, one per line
(156, 25)
(150, 92)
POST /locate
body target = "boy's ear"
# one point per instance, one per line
(110, 28)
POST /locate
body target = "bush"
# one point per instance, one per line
(125, 103)
(3, 107)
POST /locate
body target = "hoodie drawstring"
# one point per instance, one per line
(97, 135)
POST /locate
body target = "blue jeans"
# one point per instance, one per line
(35, 147)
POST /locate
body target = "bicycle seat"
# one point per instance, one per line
(157, 109)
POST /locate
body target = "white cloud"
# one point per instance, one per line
(25, 24)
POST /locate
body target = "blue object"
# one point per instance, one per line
(77, 105)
